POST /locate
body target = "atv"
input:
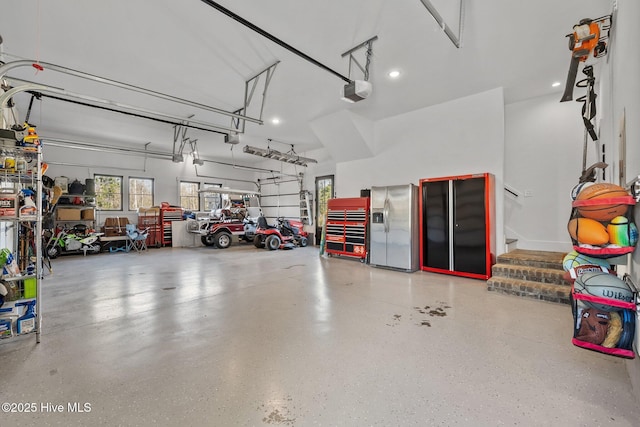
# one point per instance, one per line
(286, 235)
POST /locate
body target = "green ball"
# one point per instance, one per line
(622, 232)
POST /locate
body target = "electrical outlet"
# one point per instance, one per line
(528, 193)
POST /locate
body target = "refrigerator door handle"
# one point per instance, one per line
(386, 215)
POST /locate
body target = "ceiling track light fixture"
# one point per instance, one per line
(270, 153)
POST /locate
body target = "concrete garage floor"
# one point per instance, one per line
(248, 337)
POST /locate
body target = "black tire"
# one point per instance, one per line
(273, 242)
(53, 251)
(208, 240)
(223, 239)
(303, 242)
(258, 241)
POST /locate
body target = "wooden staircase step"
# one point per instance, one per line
(530, 273)
(542, 259)
(529, 289)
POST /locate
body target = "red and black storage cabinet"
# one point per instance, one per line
(457, 225)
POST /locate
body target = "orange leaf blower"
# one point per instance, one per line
(589, 37)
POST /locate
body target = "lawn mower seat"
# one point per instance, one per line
(288, 229)
(262, 223)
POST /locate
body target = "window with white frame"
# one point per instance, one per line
(189, 195)
(140, 193)
(108, 192)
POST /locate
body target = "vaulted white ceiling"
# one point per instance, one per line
(189, 50)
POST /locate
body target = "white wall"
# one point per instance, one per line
(624, 63)
(326, 166)
(459, 137)
(543, 158)
(166, 174)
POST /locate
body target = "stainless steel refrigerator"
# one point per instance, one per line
(394, 227)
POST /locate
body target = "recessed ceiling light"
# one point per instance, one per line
(275, 121)
(394, 74)
(556, 84)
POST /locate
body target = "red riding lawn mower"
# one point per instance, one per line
(286, 235)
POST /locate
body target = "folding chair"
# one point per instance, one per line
(136, 239)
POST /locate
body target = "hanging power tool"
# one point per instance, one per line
(588, 101)
(589, 38)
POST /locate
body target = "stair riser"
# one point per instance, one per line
(530, 263)
(559, 294)
(543, 297)
(555, 278)
(531, 274)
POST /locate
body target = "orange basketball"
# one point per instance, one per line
(605, 212)
(588, 231)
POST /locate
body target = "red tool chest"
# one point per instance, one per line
(167, 216)
(347, 227)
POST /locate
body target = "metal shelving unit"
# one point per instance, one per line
(21, 231)
(89, 222)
